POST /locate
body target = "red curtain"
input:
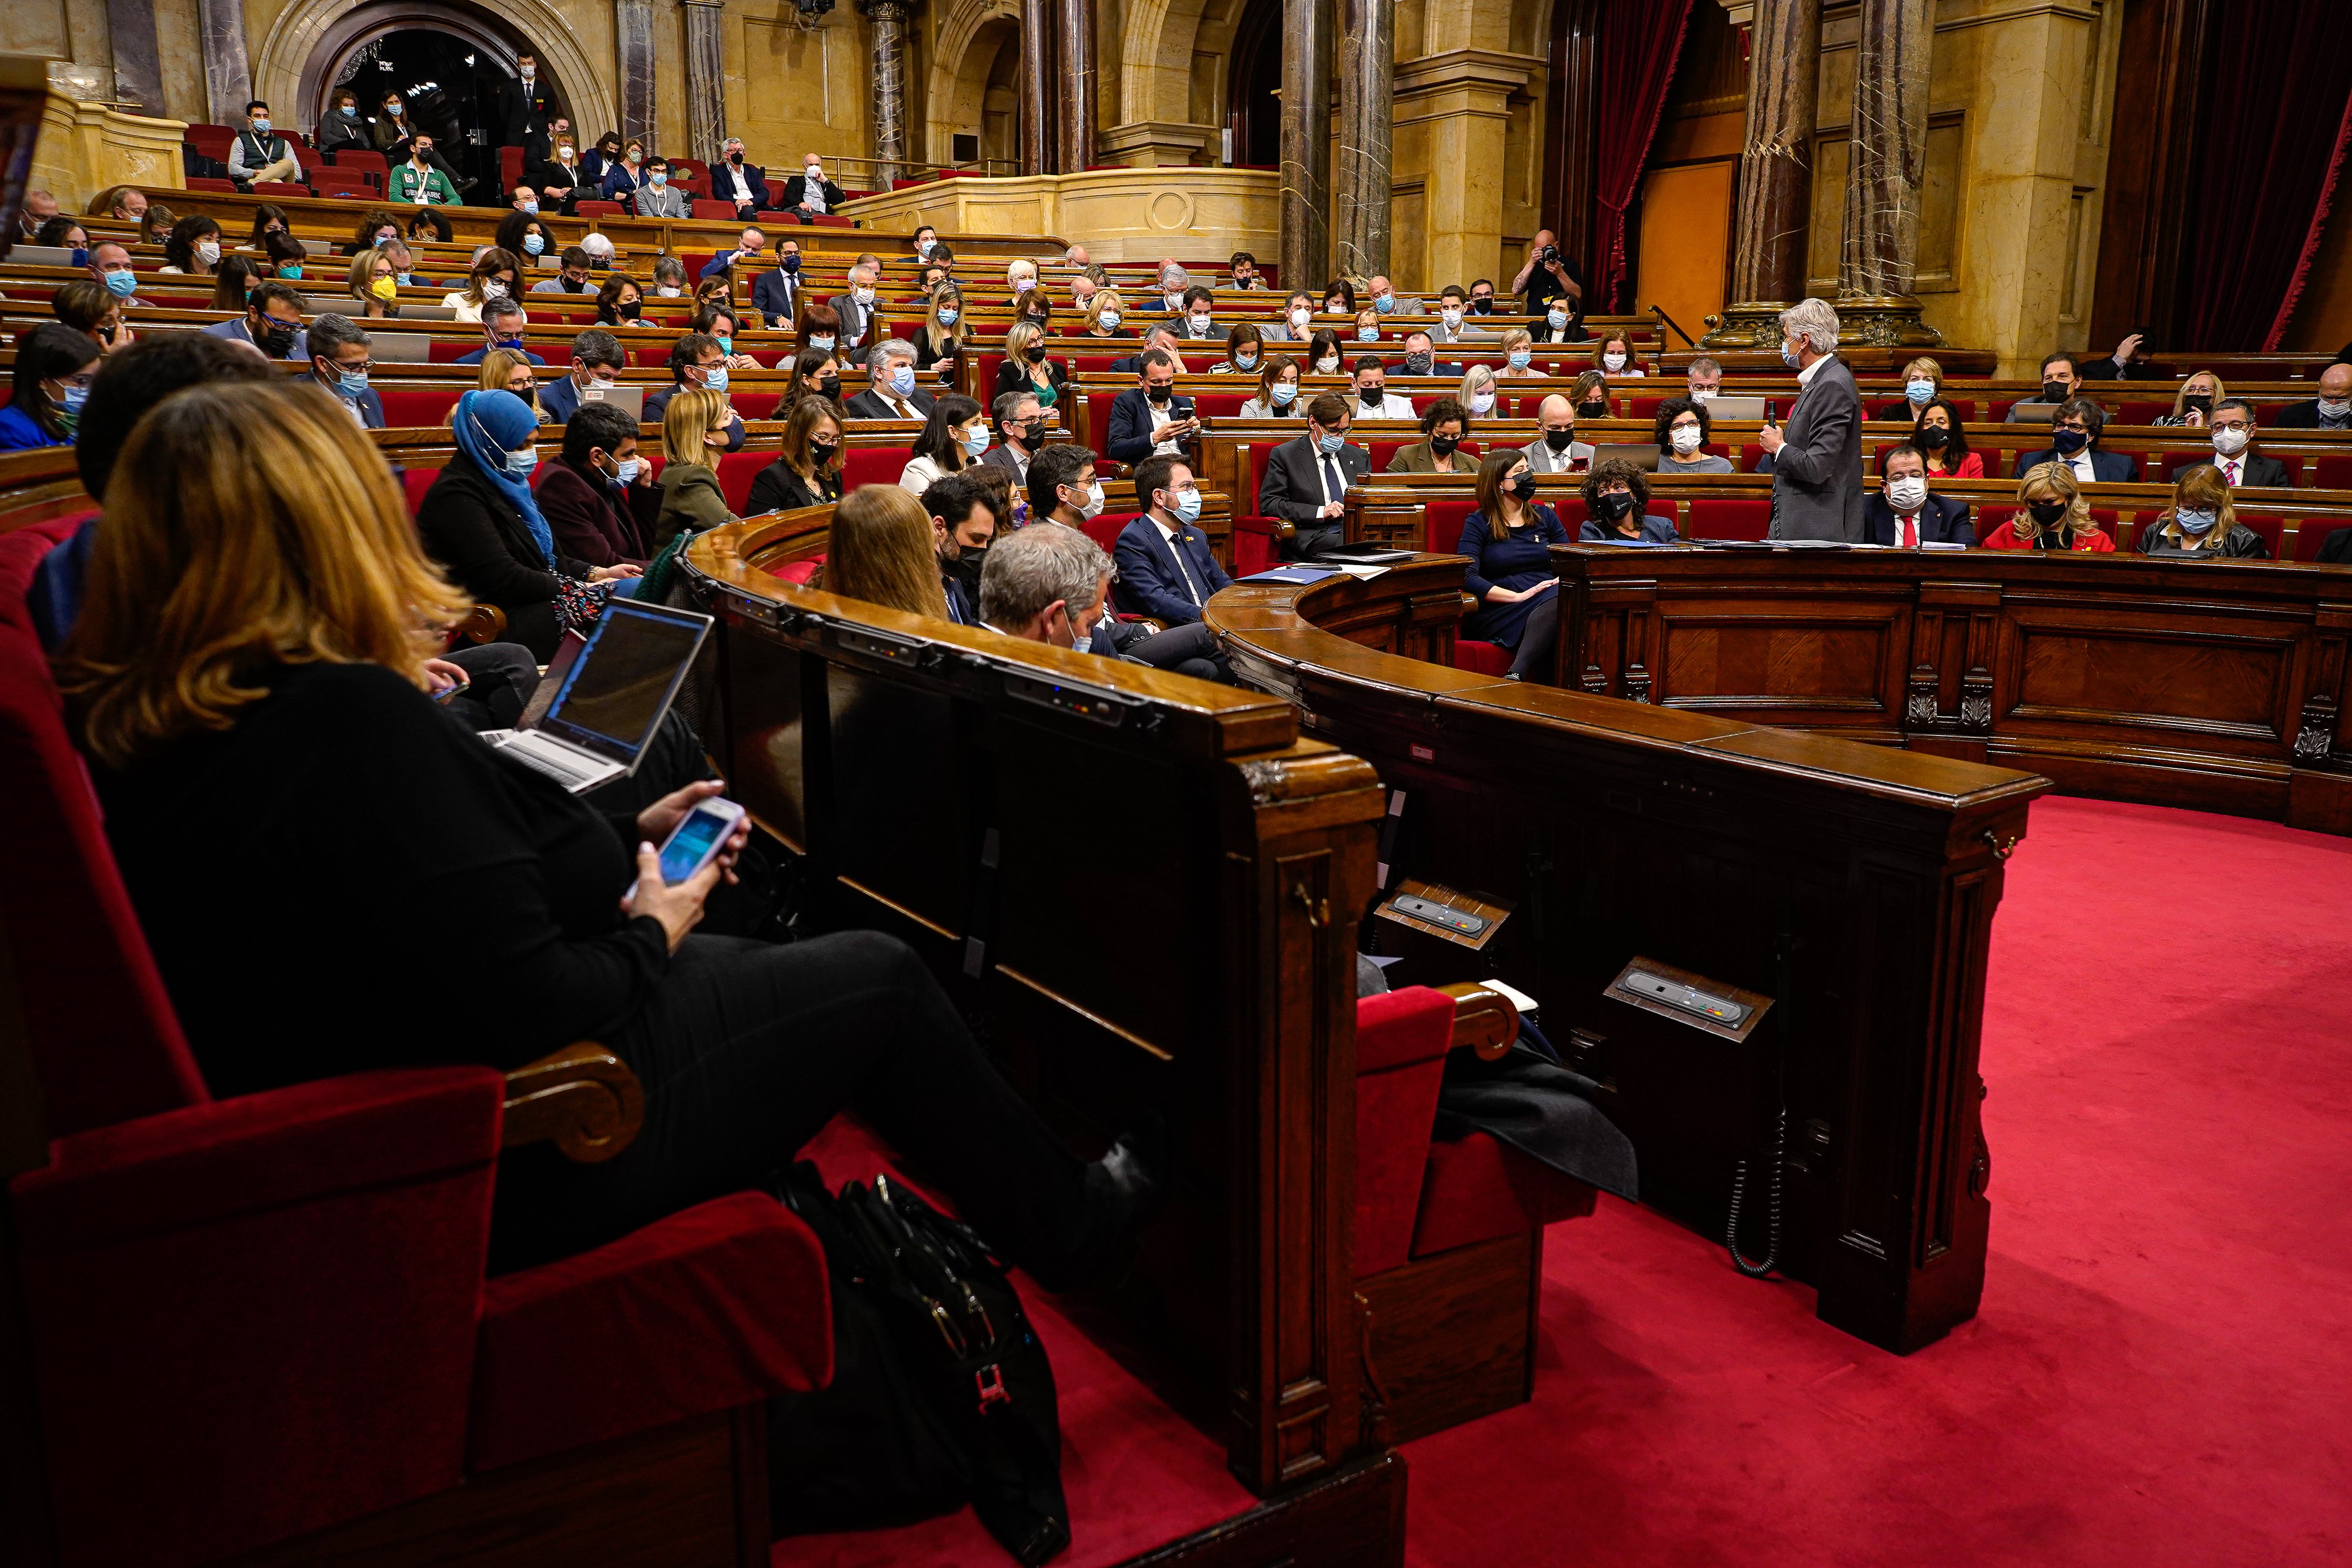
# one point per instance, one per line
(2272, 137)
(1633, 64)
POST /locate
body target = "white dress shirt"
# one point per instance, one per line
(1183, 570)
(743, 186)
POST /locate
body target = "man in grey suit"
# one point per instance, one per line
(854, 308)
(1453, 306)
(1556, 449)
(1307, 479)
(1817, 456)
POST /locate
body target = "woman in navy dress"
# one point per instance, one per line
(1510, 575)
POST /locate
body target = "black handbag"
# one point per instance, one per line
(942, 1392)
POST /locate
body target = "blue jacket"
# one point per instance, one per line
(478, 355)
(1944, 520)
(1148, 583)
(2106, 467)
(776, 296)
(19, 434)
(1130, 424)
(559, 399)
(1655, 530)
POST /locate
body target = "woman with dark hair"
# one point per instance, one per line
(267, 219)
(233, 279)
(1325, 357)
(1338, 297)
(342, 127)
(952, 438)
(523, 234)
(596, 160)
(424, 224)
(807, 472)
(55, 365)
(65, 233)
(287, 255)
(620, 302)
(1617, 508)
(1509, 540)
(90, 308)
(1936, 432)
(720, 319)
(497, 275)
(815, 374)
(1440, 450)
(1681, 432)
(192, 248)
(819, 325)
(378, 226)
(1613, 355)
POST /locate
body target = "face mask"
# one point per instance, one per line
(625, 470)
(1330, 442)
(1187, 507)
(79, 257)
(2053, 391)
(1702, 394)
(530, 207)
(629, 310)
(715, 379)
(208, 252)
(1907, 494)
(658, 179)
(1919, 392)
(2196, 522)
(1175, 300)
(1245, 361)
(726, 345)
(1452, 319)
(2047, 513)
(493, 288)
(393, 109)
(402, 278)
(1385, 303)
(1520, 358)
(902, 379)
(1482, 404)
(813, 174)
(2070, 441)
(1375, 396)
(947, 317)
(1024, 285)
(1328, 364)
(667, 292)
(76, 396)
(1200, 326)
(383, 289)
(1034, 353)
(527, 73)
(635, 156)
(1615, 506)
(291, 269)
(1285, 393)
(1300, 316)
(1612, 361)
(1367, 334)
(1789, 355)
(521, 464)
(1523, 485)
(923, 246)
(280, 341)
(563, 154)
(1685, 439)
(1560, 440)
(122, 285)
(351, 383)
(791, 262)
(531, 243)
(2229, 442)
(1110, 319)
(1444, 446)
(864, 297)
(1483, 307)
(2336, 407)
(1417, 364)
(349, 110)
(1094, 506)
(1933, 437)
(1160, 393)
(386, 237)
(261, 125)
(820, 341)
(831, 387)
(1592, 410)
(975, 440)
(1556, 319)
(1078, 645)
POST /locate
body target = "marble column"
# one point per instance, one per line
(1887, 171)
(633, 43)
(1772, 222)
(138, 58)
(1367, 99)
(706, 77)
(1073, 114)
(1306, 142)
(1036, 87)
(890, 19)
(228, 76)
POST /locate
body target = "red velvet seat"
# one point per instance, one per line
(279, 190)
(2273, 530)
(347, 187)
(736, 472)
(1442, 523)
(407, 408)
(593, 211)
(211, 182)
(871, 466)
(416, 480)
(252, 1318)
(798, 571)
(1381, 451)
(2332, 473)
(2311, 535)
(1221, 405)
(510, 173)
(721, 211)
(1728, 519)
(1481, 658)
(755, 405)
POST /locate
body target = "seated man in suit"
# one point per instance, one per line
(963, 521)
(854, 306)
(1307, 479)
(1373, 399)
(2129, 363)
(809, 193)
(339, 363)
(598, 496)
(1165, 570)
(1163, 339)
(503, 327)
(1199, 320)
(596, 361)
(2331, 410)
(1020, 431)
(2234, 431)
(776, 293)
(2075, 441)
(1453, 310)
(890, 390)
(1556, 449)
(1420, 357)
(272, 321)
(696, 359)
(2059, 382)
(1150, 419)
(733, 180)
(1902, 514)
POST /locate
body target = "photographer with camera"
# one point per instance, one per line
(1548, 276)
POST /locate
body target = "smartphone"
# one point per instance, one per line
(696, 842)
(443, 696)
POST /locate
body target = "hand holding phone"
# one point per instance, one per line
(673, 881)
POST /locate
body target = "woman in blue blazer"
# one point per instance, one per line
(1617, 508)
(1508, 539)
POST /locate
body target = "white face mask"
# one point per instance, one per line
(1328, 364)
(1482, 404)
(1452, 319)
(2336, 407)
(667, 292)
(1685, 439)
(1702, 394)
(1300, 316)
(2230, 441)
(1612, 361)
(209, 253)
(1094, 501)
(1907, 494)
(1200, 326)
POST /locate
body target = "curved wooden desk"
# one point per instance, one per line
(2220, 686)
(1853, 884)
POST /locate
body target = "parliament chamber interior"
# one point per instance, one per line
(1663, 875)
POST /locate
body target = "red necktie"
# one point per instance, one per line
(2231, 471)
(1910, 539)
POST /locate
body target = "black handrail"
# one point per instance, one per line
(1678, 325)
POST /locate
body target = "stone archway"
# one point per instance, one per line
(310, 35)
(970, 33)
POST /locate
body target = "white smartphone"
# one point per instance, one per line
(696, 841)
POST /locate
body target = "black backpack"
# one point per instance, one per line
(942, 1392)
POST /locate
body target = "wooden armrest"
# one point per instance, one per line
(585, 1098)
(1272, 527)
(1485, 1020)
(488, 623)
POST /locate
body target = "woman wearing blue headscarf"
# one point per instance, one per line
(480, 521)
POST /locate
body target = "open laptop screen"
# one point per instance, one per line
(622, 681)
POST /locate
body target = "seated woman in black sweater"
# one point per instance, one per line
(808, 474)
(1508, 539)
(481, 522)
(252, 701)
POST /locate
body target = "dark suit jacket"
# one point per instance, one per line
(1943, 519)
(776, 295)
(776, 489)
(1293, 488)
(1130, 424)
(2263, 472)
(723, 183)
(1655, 530)
(371, 407)
(591, 518)
(2104, 370)
(522, 116)
(546, 172)
(2106, 467)
(796, 191)
(1149, 581)
(559, 400)
(2303, 416)
(2337, 550)
(467, 524)
(868, 404)
(335, 133)
(478, 355)
(1816, 475)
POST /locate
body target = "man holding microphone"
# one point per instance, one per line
(1817, 460)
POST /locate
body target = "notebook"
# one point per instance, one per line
(611, 696)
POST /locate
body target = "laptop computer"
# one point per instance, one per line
(629, 400)
(611, 696)
(1642, 454)
(1722, 407)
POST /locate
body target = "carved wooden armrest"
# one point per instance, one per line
(1272, 528)
(1483, 1020)
(488, 623)
(585, 1098)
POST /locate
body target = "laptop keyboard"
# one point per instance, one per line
(563, 773)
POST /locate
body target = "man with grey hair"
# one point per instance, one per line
(890, 385)
(856, 308)
(340, 363)
(596, 361)
(1706, 379)
(1044, 583)
(1817, 459)
(1173, 281)
(503, 322)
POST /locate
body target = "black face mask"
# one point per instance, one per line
(2054, 391)
(2046, 514)
(965, 569)
(1560, 440)
(1023, 436)
(736, 159)
(1596, 409)
(279, 340)
(1444, 446)
(1034, 353)
(1933, 437)
(1615, 504)
(1373, 396)
(1482, 307)
(791, 262)
(1159, 394)
(1416, 364)
(2201, 402)
(831, 387)
(629, 311)
(821, 451)
(2069, 442)
(1523, 485)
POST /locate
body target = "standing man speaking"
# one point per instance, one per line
(1816, 461)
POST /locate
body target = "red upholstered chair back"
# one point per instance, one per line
(871, 466)
(1105, 528)
(2312, 533)
(1481, 658)
(413, 482)
(353, 187)
(1402, 1040)
(1728, 519)
(1098, 420)
(755, 405)
(2271, 529)
(107, 1045)
(736, 472)
(1382, 451)
(592, 211)
(2332, 473)
(798, 571)
(1219, 405)
(1441, 524)
(509, 171)
(721, 211)
(419, 408)
(367, 162)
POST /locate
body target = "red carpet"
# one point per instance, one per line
(2161, 1372)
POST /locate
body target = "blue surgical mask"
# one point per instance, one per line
(1788, 354)
(628, 467)
(821, 342)
(902, 379)
(1555, 317)
(1520, 358)
(122, 285)
(1385, 304)
(715, 379)
(658, 179)
(1111, 319)
(2194, 520)
(351, 111)
(79, 257)
(291, 269)
(531, 243)
(1919, 392)
(1187, 507)
(514, 342)
(947, 317)
(76, 396)
(529, 207)
(1367, 334)
(1331, 442)
(1078, 645)
(1285, 394)
(261, 125)
(351, 383)
(521, 464)
(975, 440)
(1245, 361)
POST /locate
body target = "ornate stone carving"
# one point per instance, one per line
(2317, 734)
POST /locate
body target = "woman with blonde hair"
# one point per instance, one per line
(1590, 393)
(695, 428)
(880, 549)
(1021, 278)
(2201, 523)
(1477, 393)
(2057, 515)
(503, 369)
(939, 339)
(1025, 368)
(374, 285)
(1105, 311)
(1518, 356)
(1923, 383)
(2193, 403)
(290, 811)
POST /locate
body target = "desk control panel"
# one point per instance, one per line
(1687, 999)
(1437, 913)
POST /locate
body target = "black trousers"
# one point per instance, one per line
(1537, 636)
(1188, 650)
(747, 1049)
(1319, 535)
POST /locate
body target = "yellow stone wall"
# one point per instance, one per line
(1121, 214)
(86, 147)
